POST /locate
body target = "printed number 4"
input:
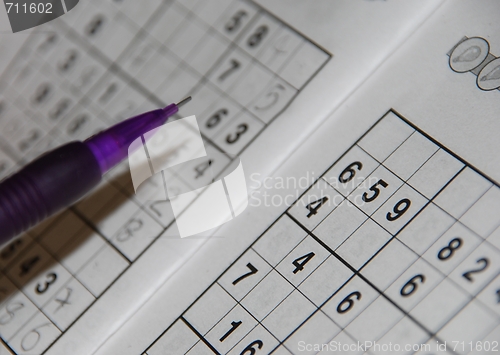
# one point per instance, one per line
(313, 207)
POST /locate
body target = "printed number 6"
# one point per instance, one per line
(250, 348)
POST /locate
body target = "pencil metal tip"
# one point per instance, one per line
(184, 101)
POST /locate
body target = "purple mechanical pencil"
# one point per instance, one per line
(59, 178)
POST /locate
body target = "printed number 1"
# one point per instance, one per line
(234, 326)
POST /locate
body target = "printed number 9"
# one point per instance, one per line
(398, 210)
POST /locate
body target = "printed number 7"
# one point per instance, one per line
(253, 270)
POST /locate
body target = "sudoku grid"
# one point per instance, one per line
(417, 263)
(106, 61)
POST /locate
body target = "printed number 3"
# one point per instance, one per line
(241, 129)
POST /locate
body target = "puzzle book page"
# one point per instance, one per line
(392, 245)
(71, 282)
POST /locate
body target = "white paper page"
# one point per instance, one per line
(105, 61)
(418, 268)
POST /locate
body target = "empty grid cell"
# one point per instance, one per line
(494, 238)
(389, 264)
(138, 54)
(490, 295)
(426, 228)
(385, 137)
(185, 42)
(270, 292)
(231, 329)
(277, 242)
(434, 346)
(375, 190)
(169, 23)
(410, 156)
(399, 209)
(472, 323)
(157, 70)
(282, 351)
(138, 12)
(178, 339)
(102, 270)
(435, 173)
(340, 224)
(200, 349)
(179, 84)
(7, 289)
(67, 304)
(292, 312)
(478, 269)
(272, 100)
(462, 192)
(80, 249)
(343, 343)
(302, 261)
(488, 343)
(35, 336)
(406, 334)
(363, 244)
(251, 84)
(259, 339)
(316, 204)
(92, 205)
(451, 248)
(440, 305)
(244, 275)
(376, 320)
(325, 280)
(238, 133)
(414, 284)
(209, 11)
(303, 64)
(350, 301)
(119, 33)
(483, 217)
(210, 50)
(319, 329)
(211, 307)
(350, 171)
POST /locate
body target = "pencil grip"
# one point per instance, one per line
(47, 185)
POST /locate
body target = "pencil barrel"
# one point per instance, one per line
(52, 182)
